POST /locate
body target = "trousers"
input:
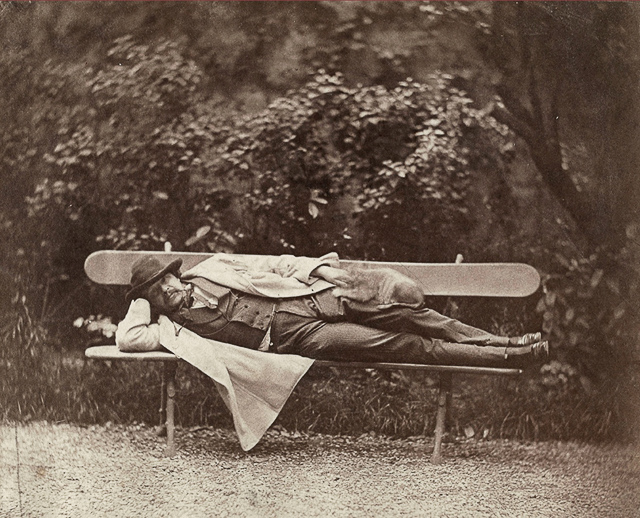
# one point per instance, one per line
(325, 327)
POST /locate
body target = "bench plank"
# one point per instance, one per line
(437, 279)
(459, 369)
(111, 352)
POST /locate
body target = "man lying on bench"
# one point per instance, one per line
(312, 308)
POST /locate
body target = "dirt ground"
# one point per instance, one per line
(56, 470)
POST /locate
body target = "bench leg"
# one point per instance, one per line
(444, 399)
(161, 429)
(170, 376)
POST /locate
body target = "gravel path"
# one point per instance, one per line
(61, 470)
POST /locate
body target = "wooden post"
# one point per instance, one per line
(444, 398)
(170, 374)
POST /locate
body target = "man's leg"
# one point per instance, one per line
(424, 322)
(346, 341)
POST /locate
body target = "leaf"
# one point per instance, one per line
(313, 210)
(596, 277)
(161, 195)
(200, 233)
(587, 385)
(613, 285)
(316, 198)
(570, 314)
(562, 260)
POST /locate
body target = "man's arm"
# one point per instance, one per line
(303, 269)
(336, 276)
(136, 332)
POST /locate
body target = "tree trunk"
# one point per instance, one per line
(561, 82)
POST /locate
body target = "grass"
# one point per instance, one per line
(69, 388)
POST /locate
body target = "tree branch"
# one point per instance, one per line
(520, 127)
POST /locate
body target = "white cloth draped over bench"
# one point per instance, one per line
(254, 385)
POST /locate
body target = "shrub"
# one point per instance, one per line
(124, 170)
(370, 171)
(589, 311)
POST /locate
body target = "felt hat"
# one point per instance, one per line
(147, 270)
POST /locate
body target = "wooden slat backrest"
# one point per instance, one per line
(441, 279)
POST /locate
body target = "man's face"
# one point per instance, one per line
(167, 294)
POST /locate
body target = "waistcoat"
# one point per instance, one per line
(239, 318)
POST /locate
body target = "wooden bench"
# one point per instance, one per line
(455, 279)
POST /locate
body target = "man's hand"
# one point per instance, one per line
(336, 276)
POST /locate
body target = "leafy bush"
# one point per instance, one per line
(125, 169)
(370, 171)
(589, 311)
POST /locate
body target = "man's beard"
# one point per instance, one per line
(186, 297)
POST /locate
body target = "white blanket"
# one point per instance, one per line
(254, 385)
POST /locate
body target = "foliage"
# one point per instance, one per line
(398, 159)
(549, 405)
(100, 327)
(98, 158)
(40, 98)
(21, 360)
(394, 404)
(383, 43)
(570, 79)
(589, 311)
(123, 169)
